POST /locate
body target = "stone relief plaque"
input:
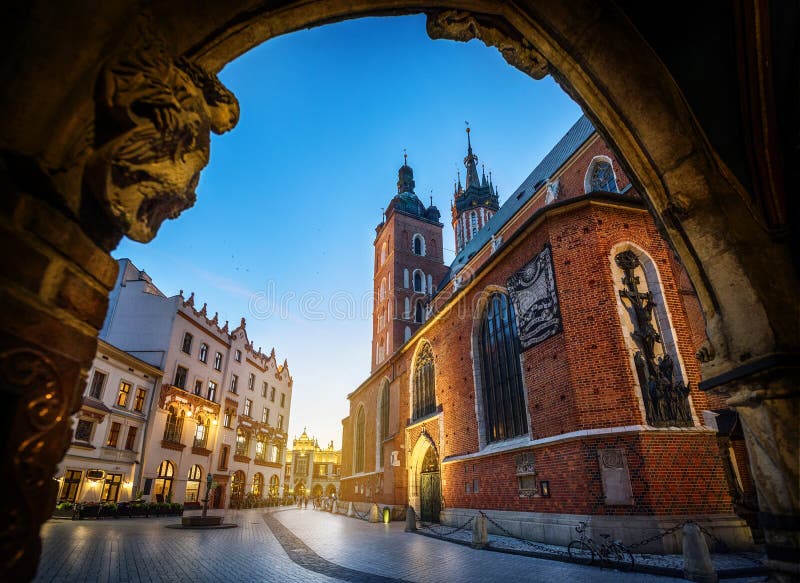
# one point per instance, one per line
(533, 293)
(615, 476)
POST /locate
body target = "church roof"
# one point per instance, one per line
(575, 137)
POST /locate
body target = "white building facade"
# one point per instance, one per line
(103, 462)
(222, 408)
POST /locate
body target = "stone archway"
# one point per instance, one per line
(64, 205)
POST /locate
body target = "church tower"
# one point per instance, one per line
(472, 208)
(409, 264)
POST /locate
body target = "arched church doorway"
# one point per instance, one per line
(316, 490)
(430, 488)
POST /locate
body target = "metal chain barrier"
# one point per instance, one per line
(656, 537)
(440, 534)
(364, 516)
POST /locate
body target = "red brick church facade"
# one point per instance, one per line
(547, 376)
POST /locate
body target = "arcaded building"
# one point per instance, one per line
(312, 470)
(548, 375)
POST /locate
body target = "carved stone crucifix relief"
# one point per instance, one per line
(666, 399)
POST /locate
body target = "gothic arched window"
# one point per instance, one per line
(193, 483)
(424, 387)
(258, 485)
(383, 420)
(419, 281)
(358, 465)
(500, 372)
(601, 176)
(473, 223)
(419, 245)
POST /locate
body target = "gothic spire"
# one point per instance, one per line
(470, 161)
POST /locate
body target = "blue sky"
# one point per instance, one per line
(283, 227)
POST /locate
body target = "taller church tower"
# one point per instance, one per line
(409, 264)
(472, 208)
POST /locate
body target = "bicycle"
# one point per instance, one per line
(610, 552)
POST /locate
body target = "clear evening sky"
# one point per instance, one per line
(285, 218)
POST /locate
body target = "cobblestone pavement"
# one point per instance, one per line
(302, 545)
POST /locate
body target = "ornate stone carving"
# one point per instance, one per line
(154, 112)
(533, 293)
(39, 423)
(666, 399)
(494, 32)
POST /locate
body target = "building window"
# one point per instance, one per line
(163, 484)
(141, 395)
(98, 382)
(198, 387)
(218, 361)
(248, 404)
(124, 393)
(212, 391)
(272, 394)
(223, 457)
(405, 278)
(383, 421)
(500, 372)
(407, 334)
(204, 352)
(242, 442)
(382, 290)
(130, 440)
(359, 441)
(227, 418)
(174, 427)
(111, 488)
(419, 282)
(180, 377)
(274, 486)
(265, 415)
(187, 343)
(419, 314)
(280, 422)
(251, 382)
(201, 433)
(261, 448)
(113, 434)
(193, 483)
(237, 487)
(418, 244)
(234, 383)
(473, 223)
(283, 399)
(72, 481)
(83, 431)
(424, 388)
(258, 485)
(264, 388)
(237, 356)
(601, 176)
(301, 465)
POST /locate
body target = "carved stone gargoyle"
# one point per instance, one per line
(154, 114)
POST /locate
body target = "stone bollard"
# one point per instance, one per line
(480, 536)
(411, 519)
(350, 511)
(374, 513)
(697, 565)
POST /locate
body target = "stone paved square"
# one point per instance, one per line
(143, 549)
